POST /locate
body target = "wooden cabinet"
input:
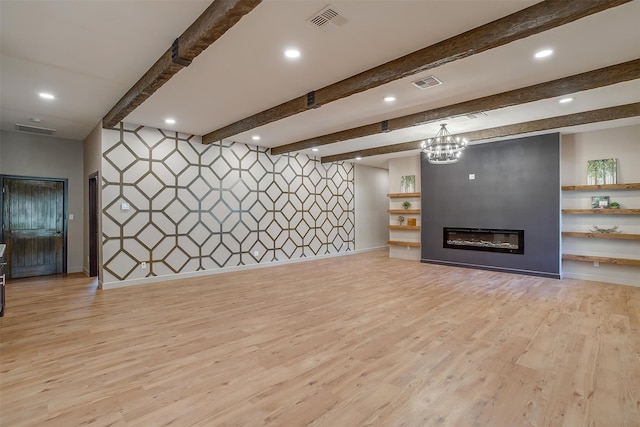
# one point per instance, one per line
(603, 216)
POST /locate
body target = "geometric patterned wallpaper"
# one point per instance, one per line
(199, 207)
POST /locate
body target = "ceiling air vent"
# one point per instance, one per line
(35, 129)
(476, 115)
(427, 82)
(328, 19)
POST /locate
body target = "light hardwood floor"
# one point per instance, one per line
(360, 340)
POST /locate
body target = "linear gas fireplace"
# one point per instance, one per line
(484, 239)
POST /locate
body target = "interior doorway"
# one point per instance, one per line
(93, 225)
(34, 225)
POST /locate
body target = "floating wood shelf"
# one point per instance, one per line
(608, 211)
(605, 211)
(409, 211)
(620, 236)
(604, 260)
(401, 195)
(403, 227)
(401, 243)
(631, 186)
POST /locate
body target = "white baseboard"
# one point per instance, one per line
(168, 277)
(604, 279)
(377, 248)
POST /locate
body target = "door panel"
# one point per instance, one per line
(34, 226)
(93, 225)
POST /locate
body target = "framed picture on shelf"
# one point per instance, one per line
(599, 202)
(603, 171)
(408, 184)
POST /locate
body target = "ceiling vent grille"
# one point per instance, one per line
(427, 82)
(476, 115)
(328, 19)
(35, 129)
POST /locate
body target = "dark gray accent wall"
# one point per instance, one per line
(516, 186)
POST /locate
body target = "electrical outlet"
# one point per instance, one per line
(256, 253)
(596, 263)
(143, 265)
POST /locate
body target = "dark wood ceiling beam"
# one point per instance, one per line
(219, 17)
(594, 116)
(619, 73)
(535, 19)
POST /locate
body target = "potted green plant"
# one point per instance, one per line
(614, 205)
(406, 204)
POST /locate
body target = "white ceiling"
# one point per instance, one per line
(89, 53)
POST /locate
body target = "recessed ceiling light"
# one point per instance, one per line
(389, 98)
(565, 100)
(314, 149)
(45, 95)
(544, 53)
(358, 158)
(292, 53)
(170, 121)
(256, 137)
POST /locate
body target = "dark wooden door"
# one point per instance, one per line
(93, 225)
(34, 227)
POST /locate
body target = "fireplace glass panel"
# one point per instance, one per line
(480, 239)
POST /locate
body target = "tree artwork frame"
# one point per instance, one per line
(603, 171)
(408, 184)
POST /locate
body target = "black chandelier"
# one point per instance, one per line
(443, 148)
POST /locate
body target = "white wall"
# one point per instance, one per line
(32, 155)
(92, 149)
(620, 143)
(399, 167)
(371, 187)
(1, 155)
(402, 166)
